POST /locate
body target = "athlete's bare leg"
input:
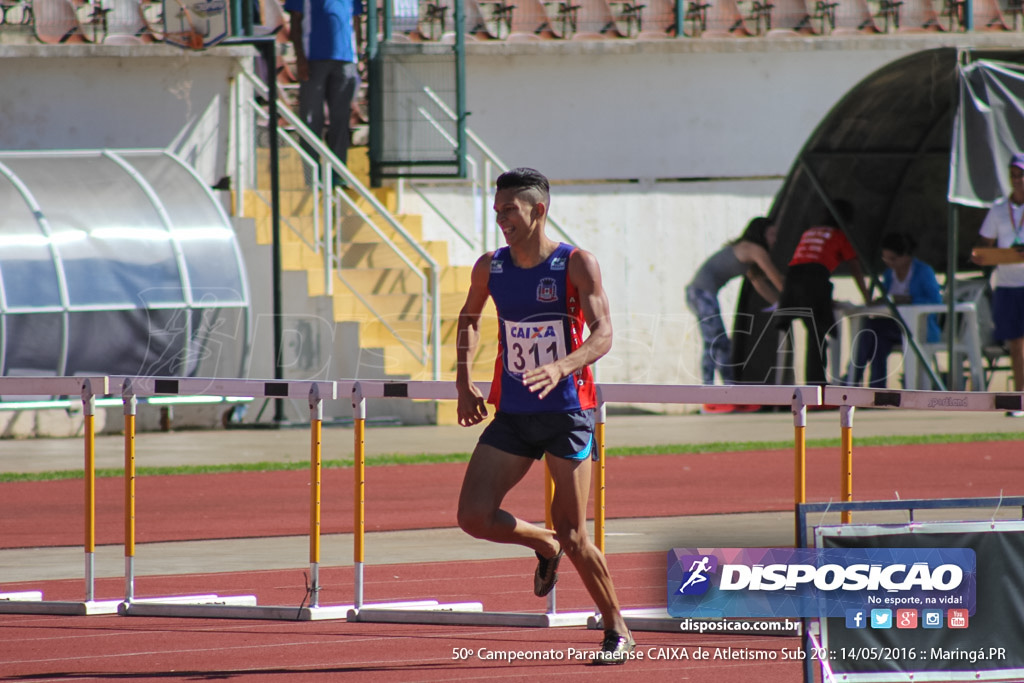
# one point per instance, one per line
(491, 474)
(569, 514)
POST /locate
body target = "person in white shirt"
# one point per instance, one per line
(1004, 227)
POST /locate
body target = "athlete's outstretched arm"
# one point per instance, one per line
(471, 408)
(585, 275)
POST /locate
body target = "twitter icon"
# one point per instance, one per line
(881, 618)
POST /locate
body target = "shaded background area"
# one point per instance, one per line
(888, 147)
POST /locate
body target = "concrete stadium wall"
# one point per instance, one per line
(660, 151)
(55, 97)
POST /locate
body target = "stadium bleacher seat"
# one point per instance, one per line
(16, 12)
(987, 15)
(918, 16)
(789, 17)
(1013, 12)
(720, 18)
(57, 22)
(854, 16)
(273, 21)
(529, 21)
(562, 17)
(125, 23)
(596, 21)
(489, 19)
(658, 20)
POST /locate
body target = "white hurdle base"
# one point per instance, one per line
(31, 602)
(658, 619)
(245, 607)
(466, 614)
(21, 596)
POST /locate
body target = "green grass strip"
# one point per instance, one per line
(431, 458)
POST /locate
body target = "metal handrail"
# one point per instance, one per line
(491, 158)
(430, 284)
(315, 245)
(423, 282)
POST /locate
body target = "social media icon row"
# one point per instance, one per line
(906, 618)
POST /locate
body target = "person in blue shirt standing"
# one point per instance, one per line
(907, 280)
(323, 34)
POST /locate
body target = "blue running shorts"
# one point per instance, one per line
(1008, 313)
(563, 435)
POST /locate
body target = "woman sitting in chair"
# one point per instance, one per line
(908, 281)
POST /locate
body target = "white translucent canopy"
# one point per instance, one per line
(115, 262)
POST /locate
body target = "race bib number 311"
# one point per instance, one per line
(532, 344)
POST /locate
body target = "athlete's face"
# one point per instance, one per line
(515, 214)
(1017, 181)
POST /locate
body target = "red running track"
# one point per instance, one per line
(52, 648)
(259, 504)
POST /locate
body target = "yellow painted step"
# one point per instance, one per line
(375, 333)
(396, 309)
(359, 163)
(454, 280)
(354, 229)
(306, 227)
(377, 255)
(293, 203)
(399, 361)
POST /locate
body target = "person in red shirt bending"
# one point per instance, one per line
(808, 286)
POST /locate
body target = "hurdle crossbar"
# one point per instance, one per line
(32, 602)
(796, 397)
(849, 398)
(394, 612)
(229, 607)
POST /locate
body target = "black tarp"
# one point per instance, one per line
(888, 148)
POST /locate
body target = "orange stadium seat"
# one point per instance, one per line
(125, 23)
(721, 18)
(273, 20)
(595, 21)
(489, 19)
(988, 15)
(789, 17)
(854, 16)
(57, 22)
(1013, 14)
(658, 20)
(529, 21)
(562, 17)
(917, 16)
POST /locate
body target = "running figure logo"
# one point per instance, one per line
(696, 581)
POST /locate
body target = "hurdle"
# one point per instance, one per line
(457, 614)
(31, 602)
(644, 619)
(798, 398)
(849, 398)
(214, 606)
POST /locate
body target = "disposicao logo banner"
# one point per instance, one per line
(817, 582)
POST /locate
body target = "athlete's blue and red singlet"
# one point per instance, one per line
(539, 321)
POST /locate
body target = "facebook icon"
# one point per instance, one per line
(856, 618)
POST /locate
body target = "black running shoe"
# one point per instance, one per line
(546, 576)
(615, 648)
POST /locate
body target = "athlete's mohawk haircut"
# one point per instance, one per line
(524, 179)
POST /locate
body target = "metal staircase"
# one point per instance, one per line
(355, 247)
